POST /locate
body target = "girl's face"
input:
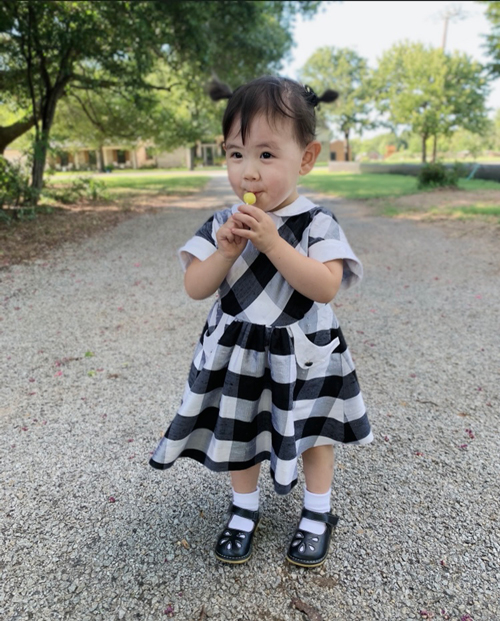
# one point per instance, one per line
(269, 163)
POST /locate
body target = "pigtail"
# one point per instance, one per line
(329, 96)
(217, 90)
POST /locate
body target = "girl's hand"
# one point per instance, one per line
(257, 226)
(230, 243)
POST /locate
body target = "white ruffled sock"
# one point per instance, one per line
(245, 501)
(320, 503)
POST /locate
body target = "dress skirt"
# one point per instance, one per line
(256, 393)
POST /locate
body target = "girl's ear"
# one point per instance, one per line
(309, 157)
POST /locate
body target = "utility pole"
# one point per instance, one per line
(453, 12)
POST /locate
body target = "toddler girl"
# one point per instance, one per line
(271, 378)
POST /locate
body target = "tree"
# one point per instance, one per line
(48, 48)
(168, 119)
(492, 13)
(430, 92)
(346, 72)
(495, 137)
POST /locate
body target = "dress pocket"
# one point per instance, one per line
(214, 334)
(210, 340)
(307, 354)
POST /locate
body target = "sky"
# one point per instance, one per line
(371, 28)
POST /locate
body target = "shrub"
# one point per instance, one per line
(439, 175)
(81, 188)
(15, 190)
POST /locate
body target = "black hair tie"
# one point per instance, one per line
(311, 96)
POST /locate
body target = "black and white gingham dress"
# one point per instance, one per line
(271, 375)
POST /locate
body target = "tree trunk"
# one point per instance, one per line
(39, 159)
(9, 133)
(192, 155)
(346, 146)
(101, 159)
(434, 149)
(41, 145)
(424, 148)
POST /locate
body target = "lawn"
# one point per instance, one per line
(399, 196)
(356, 186)
(121, 191)
(158, 184)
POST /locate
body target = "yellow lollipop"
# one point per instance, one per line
(249, 198)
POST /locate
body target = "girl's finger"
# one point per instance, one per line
(250, 210)
(244, 233)
(244, 219)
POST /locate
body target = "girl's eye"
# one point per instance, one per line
(236, 155)
(266, 155)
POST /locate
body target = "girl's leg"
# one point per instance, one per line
(318, 468)
(318, 471)
(245, 481)
(245, 495)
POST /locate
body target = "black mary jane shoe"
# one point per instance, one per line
(233, 545)
(307, 549)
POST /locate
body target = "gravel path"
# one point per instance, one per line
(95, 347)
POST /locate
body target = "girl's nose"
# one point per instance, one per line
(251, 171)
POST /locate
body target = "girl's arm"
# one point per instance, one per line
(203, 278)
(317, 281)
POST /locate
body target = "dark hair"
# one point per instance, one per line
(276, 98)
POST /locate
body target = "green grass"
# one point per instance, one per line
(479, 209)
(364, 186)
(478, 184)
(160, 183)
(137, 184)
(351, 186)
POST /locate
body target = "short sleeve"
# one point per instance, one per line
(204, 241)
(201, 245)
(327, 242)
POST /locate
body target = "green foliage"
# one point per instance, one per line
(114, 47)
(346, 72)
(86, 188)
(429, 92)
(438, 175)
(467, 142)
(493, 38)
(495, 131)
(111, 49)
(15, 190)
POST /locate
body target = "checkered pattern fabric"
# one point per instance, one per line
(271, 374)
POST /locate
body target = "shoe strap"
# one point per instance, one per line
(327, 518)
(244, 513)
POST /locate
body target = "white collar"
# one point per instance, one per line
(299, 205)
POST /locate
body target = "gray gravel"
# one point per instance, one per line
(95, 344)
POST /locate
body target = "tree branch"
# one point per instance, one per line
(32, 27)
(9, 133)
(83, 82)
(93, 120)
(29, 59)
